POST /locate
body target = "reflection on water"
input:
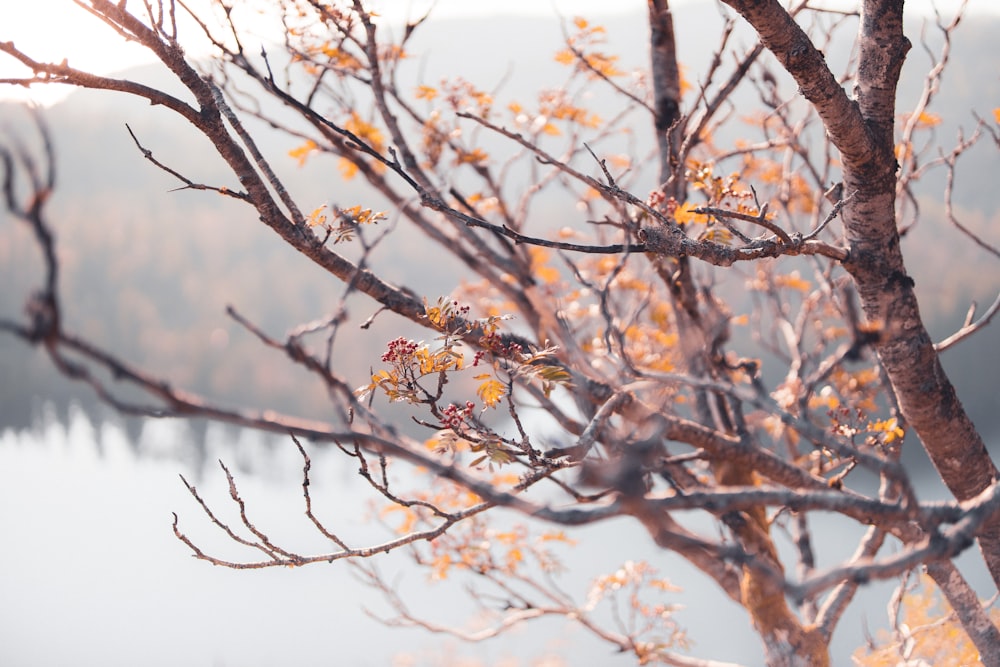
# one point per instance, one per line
(91, 573)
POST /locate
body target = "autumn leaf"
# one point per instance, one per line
(475, 156)
(553, 376)
(317, 217)
(303, 152)
(426, 93)
(446, 440)
(556, 536)
(540, 267)
(603, 64)
(890, 427)
(341, 59)
(361, 216)
(794, 281)
(491, 390)
(440, 567)
(364, 130)
(565, 57)
(347, 168)
(685, 215)
(927, 119)
(514, 556)
(551, 130)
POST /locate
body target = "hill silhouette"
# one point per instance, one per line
(149, 272)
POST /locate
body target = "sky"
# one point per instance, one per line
(57, 29)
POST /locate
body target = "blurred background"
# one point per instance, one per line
(91, 572)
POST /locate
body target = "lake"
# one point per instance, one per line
(92, 573)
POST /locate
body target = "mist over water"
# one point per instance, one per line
(92, 574)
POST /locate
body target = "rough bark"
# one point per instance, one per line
(666, 84)
(786, 640)
(983, 634)
(862, 130)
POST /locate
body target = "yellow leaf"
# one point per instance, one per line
(890, 427)
(793, 281)
(556, 536)
(317, 217)
(365, 131)
(426, 93)
(685, 84)
(604, 64)
(565, 57)
(340, 58)
(580, 22)
(490, 391)
(440, 567)
(551, 129)
(302, 152)
(505, 479)
(927, 119)
(508, 537)
(446, 440)
(347, 168)
(540, 267)
(685, 215)
(996, 114)
(475, 156)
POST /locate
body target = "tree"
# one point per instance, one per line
(610, 321)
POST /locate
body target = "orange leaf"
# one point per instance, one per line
(551, 130)
(490, 391)
(475, 156)
(302, 152)
(317, 217)
(685, 215)
(927, 119)
(426, 93)
(793, 280)
(565, 57)
(365, 131)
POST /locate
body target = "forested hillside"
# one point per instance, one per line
(153, 277)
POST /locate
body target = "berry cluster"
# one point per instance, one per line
(453, 416)
(399, 350)
(494, 343)
(661, 202)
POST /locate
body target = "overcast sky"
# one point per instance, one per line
(56, 29)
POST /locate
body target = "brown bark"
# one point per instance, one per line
(787, 641)
(926, 396)
(666, 86)
(863, 132)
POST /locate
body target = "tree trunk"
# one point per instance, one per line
(926, 397)
(862, 130)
